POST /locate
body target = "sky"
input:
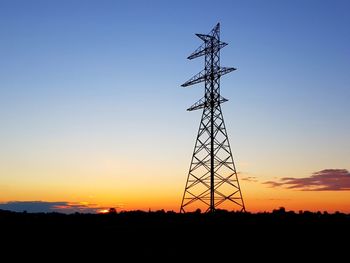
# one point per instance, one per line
(93, 116)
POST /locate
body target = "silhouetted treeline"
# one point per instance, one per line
(160, 233)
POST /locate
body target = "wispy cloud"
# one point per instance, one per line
(249, 179)
(325, 180)
(46, 207)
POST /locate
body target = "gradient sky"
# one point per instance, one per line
(92, 111)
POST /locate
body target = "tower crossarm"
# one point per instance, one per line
(195, 79)
(202, 50)
(203, 75)
(202, 103)
(205, 37)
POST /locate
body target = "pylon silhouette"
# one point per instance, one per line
(212, 181)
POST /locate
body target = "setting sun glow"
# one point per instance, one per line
(103, 211)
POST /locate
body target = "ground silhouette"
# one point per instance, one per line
(140, 234)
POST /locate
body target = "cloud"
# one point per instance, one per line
(47, 207)
(325, 180)
(249, 179)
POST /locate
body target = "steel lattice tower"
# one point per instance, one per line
(212, 180)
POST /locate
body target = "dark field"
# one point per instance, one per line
(170, 235)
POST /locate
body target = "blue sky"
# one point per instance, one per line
(83, 80)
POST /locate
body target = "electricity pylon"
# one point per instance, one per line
(212, 180)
